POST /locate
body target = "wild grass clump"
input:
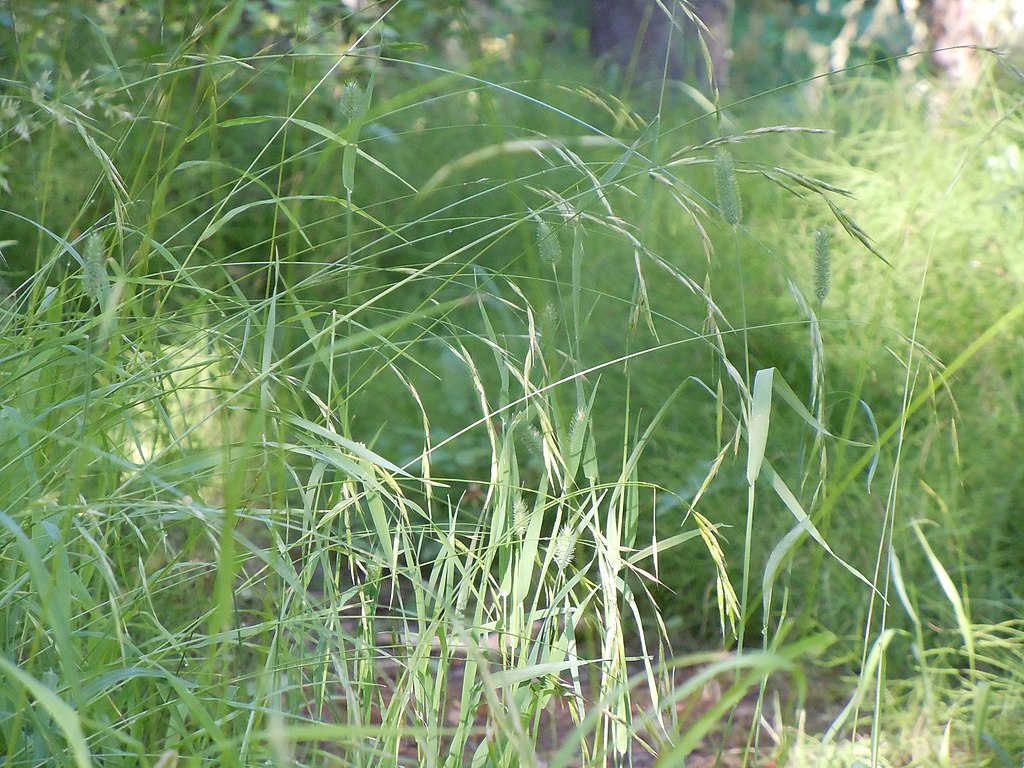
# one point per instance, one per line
(948, 303)
(919, 360)
(360, 409)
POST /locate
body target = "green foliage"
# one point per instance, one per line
(460, 401)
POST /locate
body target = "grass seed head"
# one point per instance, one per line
(564, 544)
(728, 189)
(822, 263)
(351, 101)
(520, 516)
(531, 440)
(577, 426)
(547, 244)
(548, 321)
(95, 282)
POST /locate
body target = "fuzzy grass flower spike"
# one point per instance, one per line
(729, 201)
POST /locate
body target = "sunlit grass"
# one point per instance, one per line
(362, 411)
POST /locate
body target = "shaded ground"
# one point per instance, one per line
(724, 746)
(385, 686)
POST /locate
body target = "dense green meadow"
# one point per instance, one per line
(406, 391)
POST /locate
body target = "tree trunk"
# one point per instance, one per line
(650, 38)
(981, 23)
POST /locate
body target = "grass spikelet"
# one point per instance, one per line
(547, 244)
(576, 427)
(564, 544)
(729, 202)
(520, 516)
(548, 321)
(822, 263)
(95, 282)
(351, 102)
(531, 441)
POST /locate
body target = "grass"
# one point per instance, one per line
(362, 411)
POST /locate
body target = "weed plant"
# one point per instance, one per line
(362, 410)
(934, 187)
